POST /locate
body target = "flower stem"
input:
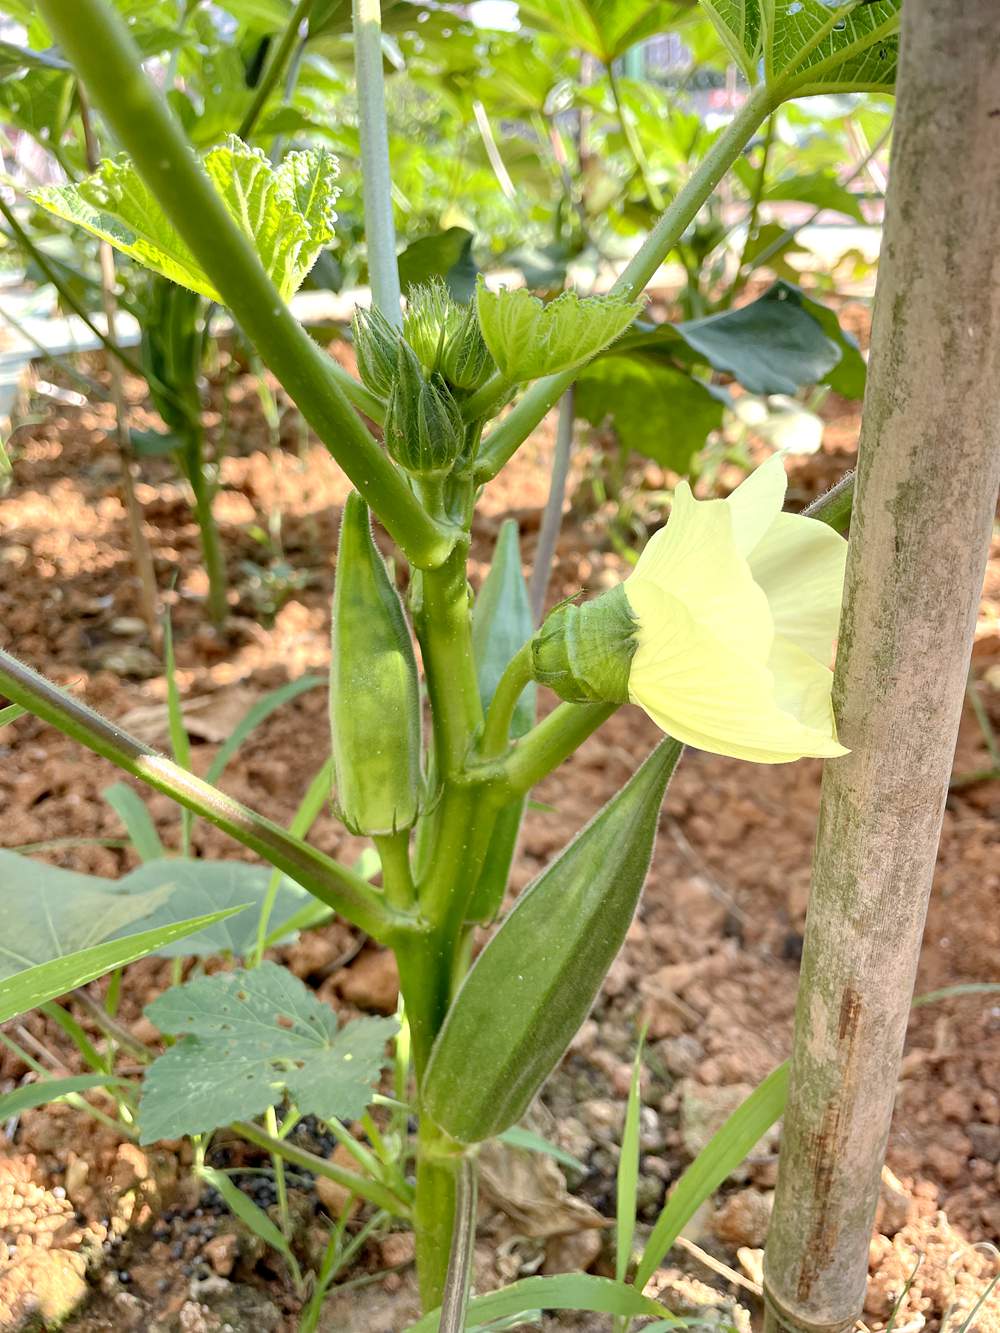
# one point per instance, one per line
(97, 42)
(510, 687)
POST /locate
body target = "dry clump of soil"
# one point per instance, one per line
(710, 962)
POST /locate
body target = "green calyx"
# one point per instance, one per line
(584, 651)
(424, 431)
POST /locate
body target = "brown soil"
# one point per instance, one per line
(710, 962)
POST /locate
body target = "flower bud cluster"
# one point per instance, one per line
(423, 374)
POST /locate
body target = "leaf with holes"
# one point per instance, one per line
(285, 211)
(802, 47)
(252, 1037)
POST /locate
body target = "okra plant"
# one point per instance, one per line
(722, 634)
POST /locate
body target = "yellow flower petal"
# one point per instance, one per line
(706, 696)
(695, 560)
(799, 562)
(757, 502)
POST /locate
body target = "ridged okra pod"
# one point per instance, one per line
(534, 983)
(374, 693)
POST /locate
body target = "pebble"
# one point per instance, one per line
(743, 1218)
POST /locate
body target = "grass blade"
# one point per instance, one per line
(11, 713)
(27, 989)
(50, 1090)
(253, 718)
(628, 1170)
(180, 742)
(712, 1165)
(566, 1291)
(132, 810)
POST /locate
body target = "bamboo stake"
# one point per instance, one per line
(928, 474)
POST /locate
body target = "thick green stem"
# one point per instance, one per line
(552, 741)
(439, 1167)
(515, 428)
(95, 39)
(397, 877)
(333, 884)
(376, 179)
(275, 67)
(510, 687)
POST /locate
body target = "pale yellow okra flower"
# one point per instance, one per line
(736, 605)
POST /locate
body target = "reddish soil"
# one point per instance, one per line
(710, 962)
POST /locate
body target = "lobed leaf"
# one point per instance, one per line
(802, 47)
(528, 339)
(286, 211)
(251, 1037)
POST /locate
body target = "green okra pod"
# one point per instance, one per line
(374, 693)
(534, 983)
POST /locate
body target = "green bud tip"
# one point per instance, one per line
(583, 652)
(376, 344)
(446, 337)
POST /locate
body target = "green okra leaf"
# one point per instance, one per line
(534, 983)
(799, 47)
(374, 692)
(250, 1037)
(21, 991)
(47, 913)
(528, 339)
(286, 211)
(193, 884)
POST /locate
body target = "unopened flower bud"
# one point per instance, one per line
(465, 361)
(583, 652)
(424, 431)
(430, 320)
(376, 344)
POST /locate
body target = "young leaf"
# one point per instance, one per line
(28, 989)
(218, 885)
(801, 47)
(567, 1291)
(286, 211)
(252, 1036)
(48, 913)
(528, 339)
(132, 810)
(243, 1207)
